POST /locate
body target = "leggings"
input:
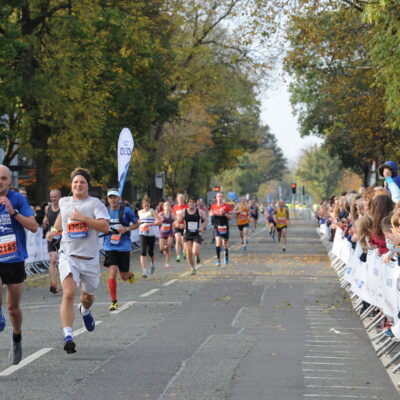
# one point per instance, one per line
(147, 244)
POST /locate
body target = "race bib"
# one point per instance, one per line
(144, 229)
(166, 228)
(115, 238)
(222, 229)
(193, 226)
(77, 230)
(242, 216)
(8, 245)
(281, 221)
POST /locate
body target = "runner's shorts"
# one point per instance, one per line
(281, 228)
(54, 245)
(86, 273)
(119, 258)
(192, 237)
(242, 226)
(178, 230)
(12, 272)
(223, 233)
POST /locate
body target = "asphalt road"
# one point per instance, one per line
(270, 325)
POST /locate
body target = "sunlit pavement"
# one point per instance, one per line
(270, 325)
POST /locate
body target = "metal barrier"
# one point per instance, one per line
(374, 289)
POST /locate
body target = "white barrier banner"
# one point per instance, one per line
(373, 281)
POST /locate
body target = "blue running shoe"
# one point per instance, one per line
(218, 263)
(88, 320)
(227, 261)
(244, 248)
(2, 320)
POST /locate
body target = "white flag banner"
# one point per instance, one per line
(125, 150)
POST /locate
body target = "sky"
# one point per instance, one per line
(276, 112)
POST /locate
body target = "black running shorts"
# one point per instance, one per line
(12, 272)
(119, 258)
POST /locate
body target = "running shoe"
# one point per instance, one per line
(53, 288)
(184, 254)
(227, 261)
(167, 266)
(152, 268)
(144, 275)
(69, 345)
(88, 320)
(2, 320)
(114, 306)
(193, 271)
(244, 248)
(131, 279)
(15, 354)
(198, 259)
(218, 263)
(283, 249)
(178, 259)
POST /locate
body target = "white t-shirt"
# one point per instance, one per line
(78, 238)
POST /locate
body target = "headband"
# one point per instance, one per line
(82, 173)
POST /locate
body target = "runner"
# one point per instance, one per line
(221, 213)
(15, 215)
(179, 209)
(166, 232)
(192, 238)
(281, 215)
(81, 217)
(270, 220)
(117, 245)
(148, 228)
(242, 210)
(253, 214)
(51, 214)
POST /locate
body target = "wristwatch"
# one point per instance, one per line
(16, 212)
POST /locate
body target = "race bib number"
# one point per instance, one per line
(115, 238)
(8, 245)
(242, 216)
(166, 228)
(222, 229)
(144, 229)
(193, 226)
(281, 221)
(77, 230)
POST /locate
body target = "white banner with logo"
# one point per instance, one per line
(374, 281)
(125, 150)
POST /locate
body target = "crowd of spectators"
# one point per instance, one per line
(370, 216)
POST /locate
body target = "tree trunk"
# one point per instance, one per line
(39, 140)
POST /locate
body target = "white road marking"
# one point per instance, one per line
(123, 308)
(345, 396)
(150, 292)
(170, 282)
(25, 361)
(341, 358)
(325, 377)
(321, 363)
(324, 370)
(350, 387)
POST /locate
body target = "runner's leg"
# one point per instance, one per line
(13, 298)
(218, 242)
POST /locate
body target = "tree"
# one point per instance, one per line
(256, 168)
(333, 90)
(319, 172)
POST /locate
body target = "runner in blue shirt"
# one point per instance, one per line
(117, 244)
(15, 215)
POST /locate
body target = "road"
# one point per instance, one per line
(270, 325)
